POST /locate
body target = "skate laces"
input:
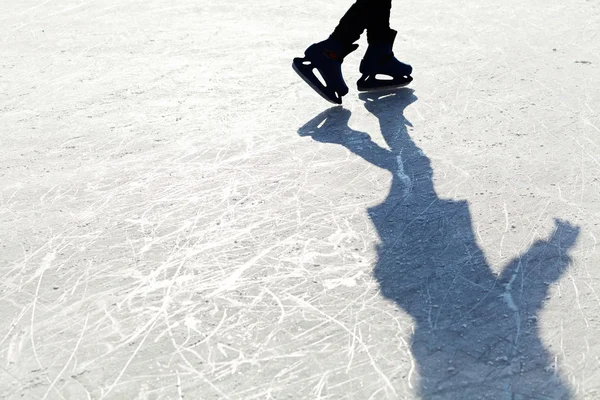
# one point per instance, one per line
(333, 55)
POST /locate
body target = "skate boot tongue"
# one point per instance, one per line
(333, 55)
(336, 51)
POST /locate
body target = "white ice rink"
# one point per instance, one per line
(182, 217)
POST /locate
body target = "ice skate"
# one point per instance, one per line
(327, 58)
(380, 60)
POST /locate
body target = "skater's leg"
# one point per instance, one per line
(372, 15)
(327, 56)
(379, 58)
(378, 20)
(353, 23)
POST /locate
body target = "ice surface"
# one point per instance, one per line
(182, 217)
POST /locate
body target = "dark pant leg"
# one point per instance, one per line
(378, 27)
(372, 15)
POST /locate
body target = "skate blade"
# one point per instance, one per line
(377, 85)
(310, 83)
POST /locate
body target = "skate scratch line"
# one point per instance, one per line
(87, 317)
(358, 339)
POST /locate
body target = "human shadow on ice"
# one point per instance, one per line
(476, 334)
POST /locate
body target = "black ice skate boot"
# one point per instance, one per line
(327, 57)
(380, 60)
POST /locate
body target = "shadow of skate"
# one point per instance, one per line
(476, 334)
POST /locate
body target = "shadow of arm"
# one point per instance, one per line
(331, 126)
(529, 275)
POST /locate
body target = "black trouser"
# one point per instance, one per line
(372, 15)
